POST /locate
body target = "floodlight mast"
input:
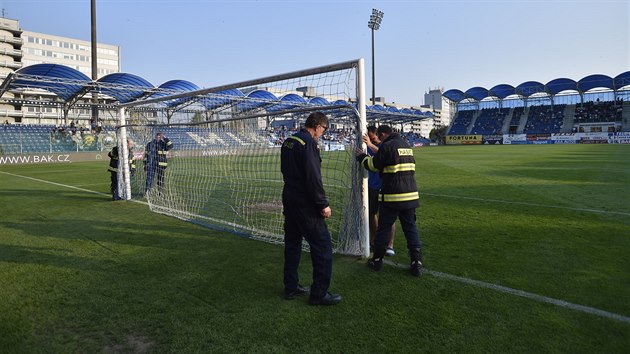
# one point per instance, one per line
(374, 24)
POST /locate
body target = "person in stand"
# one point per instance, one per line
(114, 165)
(398, 197)
(155, 161)
(374, 186)
(305, 209)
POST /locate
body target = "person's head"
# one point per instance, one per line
(130, 144)
(316, 124)
(383, 131)
(371, 132)
(159, 136)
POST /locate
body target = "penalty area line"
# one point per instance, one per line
(521, 293)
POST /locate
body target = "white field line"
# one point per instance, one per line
(527, 203)
(66, 186)
(481, 284)
(521, 293)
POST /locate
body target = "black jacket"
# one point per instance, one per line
(397, 166)
(114, 162)
(155, 153)
(301, 170)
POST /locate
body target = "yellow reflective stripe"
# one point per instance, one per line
(161, 152)
(112, 169)
(169, 143)
(162, 163)
(370, 163)
(298, 139)
(401, 197)
(400, 168)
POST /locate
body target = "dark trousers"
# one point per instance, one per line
(114, 185)
(304, 223)
(152, 173)
(386, 218)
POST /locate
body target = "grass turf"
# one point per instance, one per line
(81, 273)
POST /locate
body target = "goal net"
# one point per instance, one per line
(221, 168)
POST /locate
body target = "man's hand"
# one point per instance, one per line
(359, 151)
(326, 212)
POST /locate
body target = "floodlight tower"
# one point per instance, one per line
(374, 24)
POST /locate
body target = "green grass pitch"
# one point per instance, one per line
(503, 227)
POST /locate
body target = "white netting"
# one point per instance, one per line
(224, 167)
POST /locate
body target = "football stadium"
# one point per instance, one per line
(524, 217)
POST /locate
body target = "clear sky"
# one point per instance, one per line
(422, 44)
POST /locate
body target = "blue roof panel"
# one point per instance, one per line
(454, 95)
(563, 84)
(529, 88)
(622, 80)
(69, 83)
(594, 81)
(126, 88)
(502, 91)
(477, 93)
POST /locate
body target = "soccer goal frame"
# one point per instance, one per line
(224, 152)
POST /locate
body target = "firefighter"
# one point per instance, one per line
(398, 197)
(114, 165)
(155, 161)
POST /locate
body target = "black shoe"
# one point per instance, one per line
(415, 268)
(375, 264)
(328, 299)
(299, 291)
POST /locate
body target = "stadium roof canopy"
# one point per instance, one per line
(69, 85)
(553, 87)
(124, 87)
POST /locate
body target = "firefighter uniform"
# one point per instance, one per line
(303, 199)
(155, 161)
(114, 165)
(398, 197)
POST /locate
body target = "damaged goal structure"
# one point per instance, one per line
(224, 168)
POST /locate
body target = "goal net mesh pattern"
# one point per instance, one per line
(223, 169)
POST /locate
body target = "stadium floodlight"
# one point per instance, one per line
(374, 24)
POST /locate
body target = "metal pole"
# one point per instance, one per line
(94, 61)
(373, 77)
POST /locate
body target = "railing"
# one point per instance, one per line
(12, 64)
(25, 143)
(13, 52)
(14, 40)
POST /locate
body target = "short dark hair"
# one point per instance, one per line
(315, 119)
(371, 129)
(384, 129)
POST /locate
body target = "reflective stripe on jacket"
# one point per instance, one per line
(113, 160)
(155, 152)
(397, 166)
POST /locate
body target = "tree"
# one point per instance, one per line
(438, 135)
(197, 118)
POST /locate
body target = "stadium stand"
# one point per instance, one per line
(544, 119)
(461, 122)
(490, 121)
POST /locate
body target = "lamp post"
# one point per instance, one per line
(374, 24)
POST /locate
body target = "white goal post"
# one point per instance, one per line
(223, 170)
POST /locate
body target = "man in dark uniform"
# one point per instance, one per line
(155, 161)
(305, 212)
(398, 197)
(114, 165)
